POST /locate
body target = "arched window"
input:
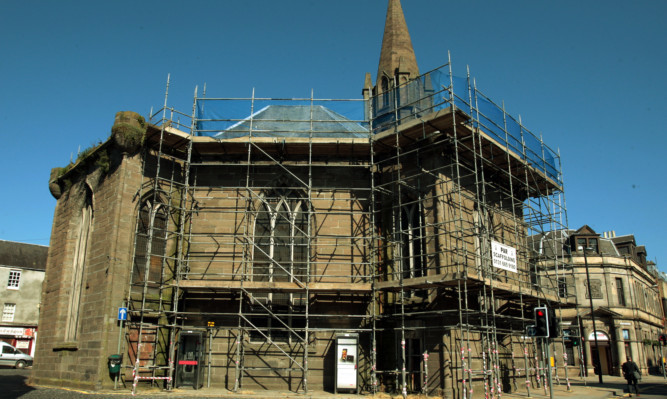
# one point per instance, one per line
(78, 268)
(280, 254)
(385, 91)
(150, 243)
(412, 239)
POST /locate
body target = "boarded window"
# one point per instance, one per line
(78, 267)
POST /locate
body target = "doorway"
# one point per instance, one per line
(605, 357)
(413, 353)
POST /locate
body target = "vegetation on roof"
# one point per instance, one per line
(127, 134)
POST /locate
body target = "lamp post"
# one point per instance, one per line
(590, 297)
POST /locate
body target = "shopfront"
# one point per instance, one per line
(21, 338)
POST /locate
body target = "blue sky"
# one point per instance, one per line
(587, 75)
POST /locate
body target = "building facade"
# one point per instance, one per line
(298, 245)
(22, 273)
(624, 300)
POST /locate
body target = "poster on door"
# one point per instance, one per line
(348, 355)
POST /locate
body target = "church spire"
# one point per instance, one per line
(397, 58)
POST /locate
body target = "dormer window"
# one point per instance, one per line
(585, 239)
(624, 249)
(590, 244)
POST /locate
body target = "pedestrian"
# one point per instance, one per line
(632, 374)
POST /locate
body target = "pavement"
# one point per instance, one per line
(579, 388)
(590, 388)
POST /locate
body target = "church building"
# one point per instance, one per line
(377, 244)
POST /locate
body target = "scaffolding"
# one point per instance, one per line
(461, 185)
(270, 225)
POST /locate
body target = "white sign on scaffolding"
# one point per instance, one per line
(503, 256)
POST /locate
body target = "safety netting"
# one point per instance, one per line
(265, 117)
(437, 90)
(313, 118)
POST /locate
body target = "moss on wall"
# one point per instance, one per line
(128, 131)
(127, 135)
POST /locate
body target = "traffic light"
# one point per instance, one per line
(575, 341)
(554, 330)
(541, 322)
(663, 339)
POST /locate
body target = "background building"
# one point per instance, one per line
(662, 289)
(626, 302)
(22, 273)
(258, 237)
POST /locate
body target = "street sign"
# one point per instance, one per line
(122, 313)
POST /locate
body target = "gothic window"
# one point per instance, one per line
(150, 243)
(280, 255)
(385, 91)
(280, 252)
(81, 247)
(483, 235)
(412, 241)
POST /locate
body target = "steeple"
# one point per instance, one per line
(397, 58)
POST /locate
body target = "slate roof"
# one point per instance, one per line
(22, 255)
(607, 247)
(548, 244)
(628, 238)
(556, 243)
(295, 121)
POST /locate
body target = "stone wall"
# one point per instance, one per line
(82, 361)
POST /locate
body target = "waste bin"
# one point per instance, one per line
(114, 363)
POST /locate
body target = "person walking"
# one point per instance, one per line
(632, 374)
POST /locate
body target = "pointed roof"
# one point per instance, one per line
(586, 229)
(295, 121)
(397, 51)
(600, 312)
